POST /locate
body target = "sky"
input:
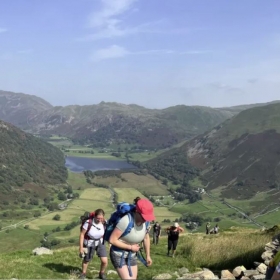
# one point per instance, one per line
(154, 53)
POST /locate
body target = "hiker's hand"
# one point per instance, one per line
(135, 247)
(149, 261)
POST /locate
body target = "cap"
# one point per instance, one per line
(146, 209)
(176, 225)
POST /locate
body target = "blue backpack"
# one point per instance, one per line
(123, 208)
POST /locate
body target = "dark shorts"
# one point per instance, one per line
(100, 251)
(172, 244)
(118, 261)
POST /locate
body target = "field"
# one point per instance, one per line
(145, 184)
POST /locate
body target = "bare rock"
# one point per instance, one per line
(267, 255)
(258, 277)
(238, 271)
(183, 271)
(250, 272)
(162, 276)
(112, 272)
(42, 251)
(262, 268)
(226, 274)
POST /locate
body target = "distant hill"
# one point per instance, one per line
(17, 108)
(242, 155)
(27, 159)
(105, 123)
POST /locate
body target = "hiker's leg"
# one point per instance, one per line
(102, 254)
(124, 272)
(154, 238)
(175, 243)
(120, 264)
(157, 240)
(169, 246)
(129, 266)
(87, 259)
(84, 267)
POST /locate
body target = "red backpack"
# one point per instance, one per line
(87, 216)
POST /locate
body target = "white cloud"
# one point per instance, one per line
(113, 51)
(116, 51)
(106, 21)
(106, 17)
(2, 30)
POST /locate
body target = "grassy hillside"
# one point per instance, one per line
(223, 251)
(26, 159)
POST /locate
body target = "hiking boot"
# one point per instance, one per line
(102, 275)
(167, 255)
(83, 276)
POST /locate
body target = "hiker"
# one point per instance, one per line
(125, 249)
(136, 199)
(207, 228)
(216, 229)
(173, 238)
(276, 274)
(91, 240)
(156, 233)
(272, 266)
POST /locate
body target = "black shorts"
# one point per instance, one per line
(100, 251)
(172, 244)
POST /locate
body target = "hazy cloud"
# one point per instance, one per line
(116, 51)
(2, 30)
(113, 51)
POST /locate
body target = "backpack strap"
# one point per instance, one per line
(129, 226)
(88, 229)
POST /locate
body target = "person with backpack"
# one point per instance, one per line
(207, 228)
(216, 229)
(129, 231)
(173, 238)
(91, 241)
(156, 233)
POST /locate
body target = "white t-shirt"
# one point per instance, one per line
(95, 233)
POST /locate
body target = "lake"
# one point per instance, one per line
(79, 164)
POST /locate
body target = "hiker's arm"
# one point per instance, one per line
(82, 237)
(146, 242)
(114, 240)
(181, 229)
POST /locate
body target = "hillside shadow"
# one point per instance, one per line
(61, 268)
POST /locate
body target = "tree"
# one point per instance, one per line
(56, 217)
(61, 196)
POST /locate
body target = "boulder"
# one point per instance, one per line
(238, 271)
(262, 268)
(226, 274)
(42, 251)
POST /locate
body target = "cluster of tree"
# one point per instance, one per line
(192, 217)
(25, 158)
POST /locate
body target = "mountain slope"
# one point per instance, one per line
(108, 122)
(242, 154)
(105, 123)
(17, 108)
(27, 159)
